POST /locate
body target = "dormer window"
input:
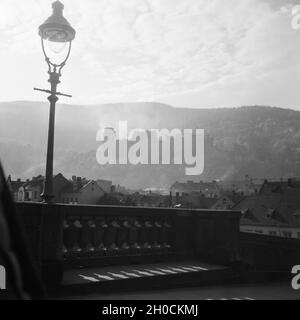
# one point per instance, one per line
(275, 215)
(248, 214)
(271, 213)
(296, 214)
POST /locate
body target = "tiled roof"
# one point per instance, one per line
(291, 187)
(234, 197)
(70, 187)
(36, 181)
(270, 210)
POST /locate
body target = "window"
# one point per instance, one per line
(273, 233)
(287, 234)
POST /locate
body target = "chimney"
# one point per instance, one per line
(79, 182)
(177, 197)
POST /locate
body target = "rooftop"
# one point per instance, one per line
(270, 210)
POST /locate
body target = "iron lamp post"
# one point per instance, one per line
(56, 35)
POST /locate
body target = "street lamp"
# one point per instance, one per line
(56, 38)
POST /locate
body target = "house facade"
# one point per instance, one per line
(155, 200)
(14, 186)
(82, 193)
(247, 187)
(207, 189)
(31, 190)
(194, 200)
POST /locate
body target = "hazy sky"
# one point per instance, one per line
(189, 53)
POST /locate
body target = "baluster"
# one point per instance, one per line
(122, 235)
(77, 249)
(86, 236)
(99, 236)
(92, 227)
(68, 239)
(111, 237)
(161, 235)
(167, 235)
(133, 235)
(71, 236)
(157, 227)
(147, 230)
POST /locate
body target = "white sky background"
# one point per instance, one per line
(189, 53)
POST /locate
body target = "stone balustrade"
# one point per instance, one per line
(100, 236)
(70, 236)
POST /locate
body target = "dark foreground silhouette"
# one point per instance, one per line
(22, 279)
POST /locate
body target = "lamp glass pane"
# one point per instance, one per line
(56, 51)
(57, 47)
